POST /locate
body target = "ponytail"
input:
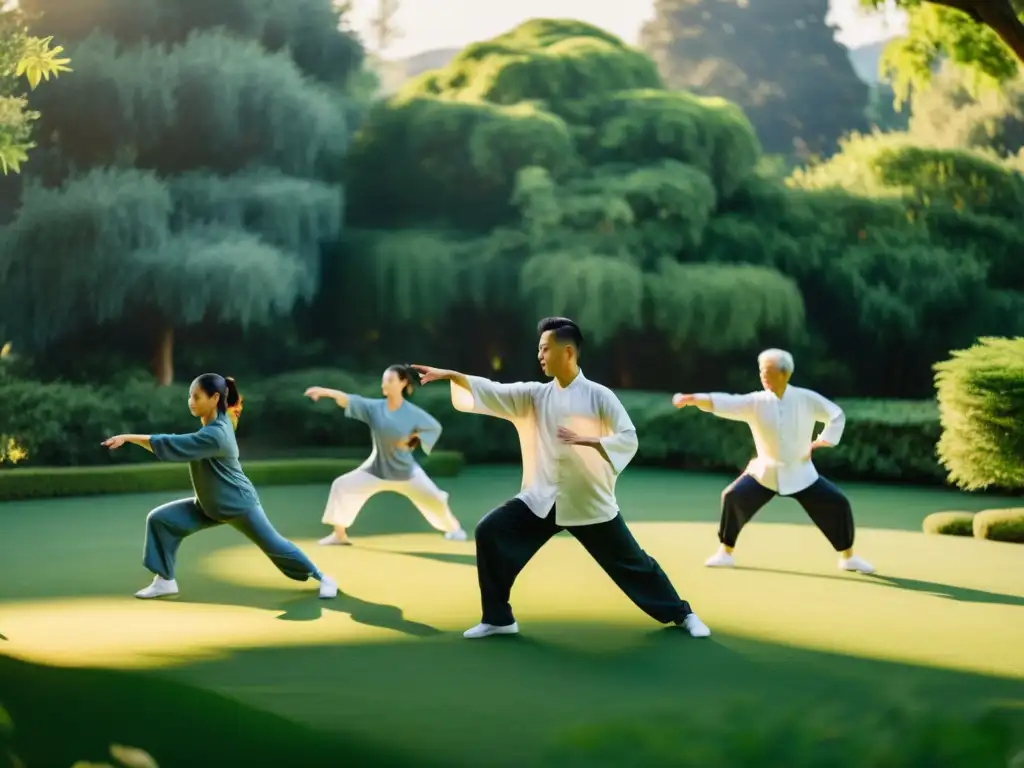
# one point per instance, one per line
(226, 389)
(232, 400)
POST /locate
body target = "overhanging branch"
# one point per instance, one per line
(999, 15)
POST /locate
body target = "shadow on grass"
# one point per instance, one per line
(309, 607)
(61, 716)
(514, 698)
(445, 557)
(452, 700)
(949, 591)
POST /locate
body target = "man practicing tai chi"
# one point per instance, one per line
(782, 418)
(575, 438)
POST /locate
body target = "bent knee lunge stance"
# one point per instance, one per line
(397, 428)
(782, 418)
(581, 428)
(223, 494)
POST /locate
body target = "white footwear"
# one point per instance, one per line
(328, 587)
(459, 535)
(159, 588)
(695, 626)
(334, 540)
(721, 559)
(855, 563)
(486, 630)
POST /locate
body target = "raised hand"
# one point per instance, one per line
(115, 442)
(428, 374)
(315, 393)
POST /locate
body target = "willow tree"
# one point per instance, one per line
(206, 203)
(548, 171)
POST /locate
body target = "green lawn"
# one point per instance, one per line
(246, 667)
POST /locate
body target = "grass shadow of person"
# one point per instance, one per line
(948, 591)
(310, 607)
(451, 558)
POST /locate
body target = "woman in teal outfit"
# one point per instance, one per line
(223, 494)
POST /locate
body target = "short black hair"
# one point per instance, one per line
(564, 330)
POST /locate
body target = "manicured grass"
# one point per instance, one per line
(384, 666)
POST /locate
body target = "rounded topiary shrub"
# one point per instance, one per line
(950, 523)
(1000, 525)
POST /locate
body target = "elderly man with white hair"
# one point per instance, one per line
(781, 418)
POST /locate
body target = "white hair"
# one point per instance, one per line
(777, 358)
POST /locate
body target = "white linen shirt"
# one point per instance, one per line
(783, 429)
(576, 480)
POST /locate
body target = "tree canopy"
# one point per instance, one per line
(651, 216)
(983, 37)
(189, 173)
(778, 61)
(567, 168)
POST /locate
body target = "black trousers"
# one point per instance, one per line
(823, 502)
(510, 535)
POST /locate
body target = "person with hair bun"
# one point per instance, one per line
(223, 494)
(397, 427)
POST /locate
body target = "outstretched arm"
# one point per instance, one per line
(204, 444)
(316, 393)
(356, 407)
(732, 407)
(474, 394)
(115, 442)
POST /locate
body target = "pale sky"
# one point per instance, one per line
(429, 24)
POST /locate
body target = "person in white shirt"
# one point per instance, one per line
(781, 419)
(575, 438)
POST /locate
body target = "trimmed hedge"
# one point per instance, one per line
(949, 523)
(1000, 525)
(61, 424)
(50, 482)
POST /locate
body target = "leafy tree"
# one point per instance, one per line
(986, 37)
(941, 269)
(951, 114)
(166, 198)
(547, 171)
(778, 61)
(981, 394)
(21, 56)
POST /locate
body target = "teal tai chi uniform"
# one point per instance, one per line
(223, 495)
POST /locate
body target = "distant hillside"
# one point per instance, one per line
(865, 60)
(394, 72)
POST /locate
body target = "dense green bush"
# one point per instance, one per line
(808, 738)
(61, 424)
(949, 523)
(981, 407)
(1000, 525)
(50, 482)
